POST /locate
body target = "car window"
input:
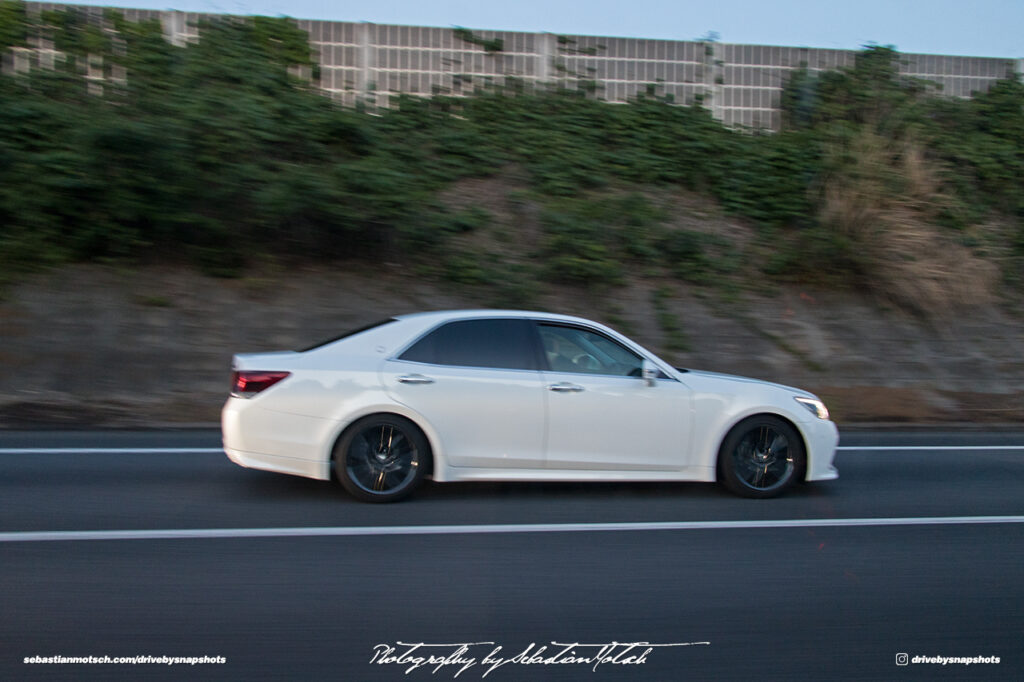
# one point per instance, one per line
(497, 343)
(572, 349)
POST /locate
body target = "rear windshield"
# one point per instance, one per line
(347, 334)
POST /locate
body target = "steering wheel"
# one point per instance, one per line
(586, 361)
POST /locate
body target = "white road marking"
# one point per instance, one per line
(485, 529)
(220, 451)
(925, 448)
(110, 451)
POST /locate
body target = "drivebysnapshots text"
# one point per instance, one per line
(905, 659)
(125, 660)
(459, 657)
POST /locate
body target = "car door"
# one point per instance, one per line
(476, 382)
(601, 413)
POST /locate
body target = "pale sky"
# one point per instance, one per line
(981, 28)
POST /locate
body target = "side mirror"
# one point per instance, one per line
(649, 372)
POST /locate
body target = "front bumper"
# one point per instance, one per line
(822, 439)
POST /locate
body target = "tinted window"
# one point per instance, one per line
(572, 349)
(503, 344)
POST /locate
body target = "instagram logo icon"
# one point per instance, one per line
(902, 659)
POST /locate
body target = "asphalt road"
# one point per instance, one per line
(808, 598)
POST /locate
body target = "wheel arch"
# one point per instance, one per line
(385, 411)
(758, 414)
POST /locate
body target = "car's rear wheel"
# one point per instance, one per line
(381, 458)
(761, 457)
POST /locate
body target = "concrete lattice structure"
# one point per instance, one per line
(740, 84)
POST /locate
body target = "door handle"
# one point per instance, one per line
(415, 379)
(565, 387)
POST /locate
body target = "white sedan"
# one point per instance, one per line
(487, 395)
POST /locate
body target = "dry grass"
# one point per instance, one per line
(884, 204)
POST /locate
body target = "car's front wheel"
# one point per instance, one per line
(761, 457)
(381, 458)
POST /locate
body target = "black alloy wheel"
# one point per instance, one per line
(761, 457)
(381, 458)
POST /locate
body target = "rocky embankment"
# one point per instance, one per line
(90, 346)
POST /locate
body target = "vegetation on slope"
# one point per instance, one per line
(217, 152)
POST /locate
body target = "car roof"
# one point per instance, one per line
(440, 315)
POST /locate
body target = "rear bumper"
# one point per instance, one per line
(275, 463)
(272, 441)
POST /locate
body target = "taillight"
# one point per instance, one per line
(246, 384)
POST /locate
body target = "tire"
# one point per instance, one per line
(381, 458)
(761, 457)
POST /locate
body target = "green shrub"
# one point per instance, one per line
(214, 145)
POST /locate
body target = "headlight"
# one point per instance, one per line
(816, 407)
